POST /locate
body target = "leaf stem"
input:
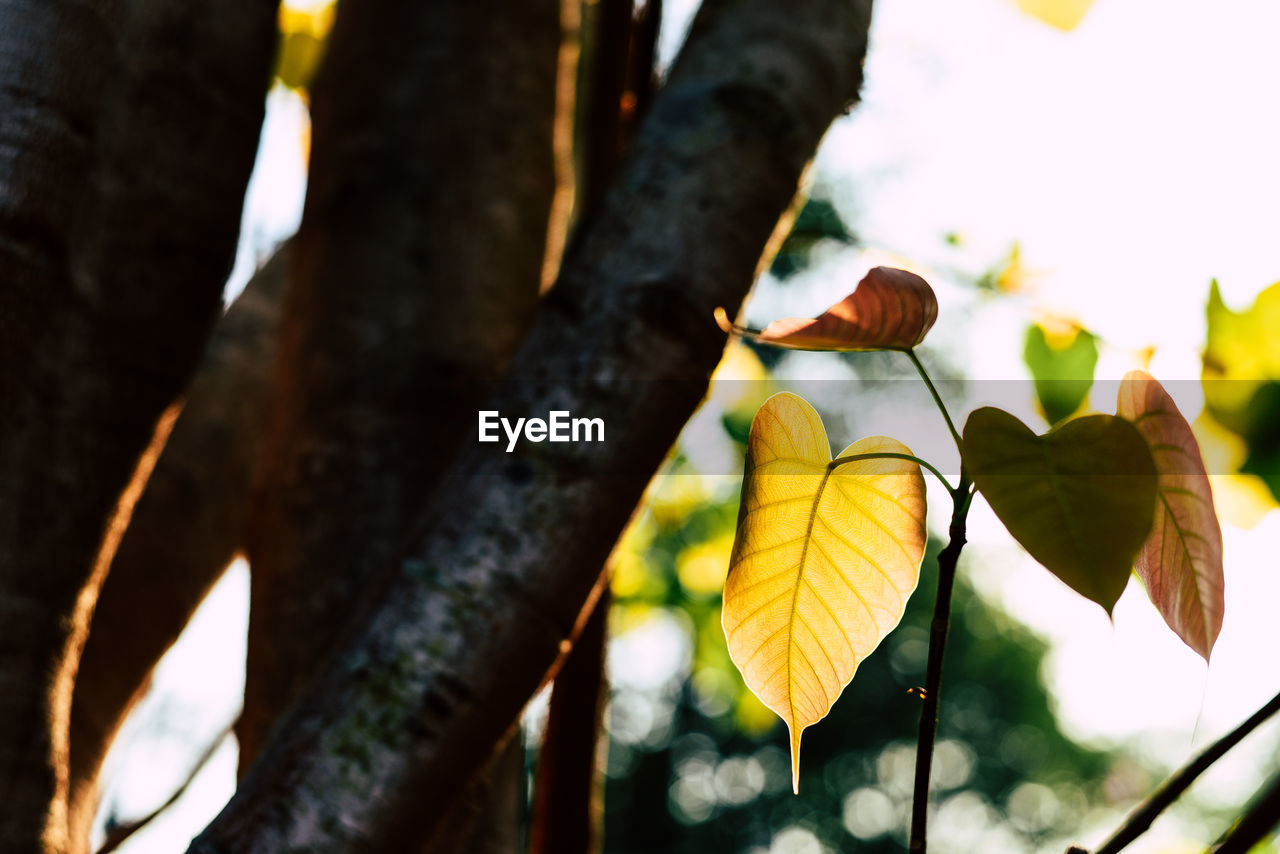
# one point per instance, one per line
(1169, 791)
(890, 455)
(937, 398)
(947, 560)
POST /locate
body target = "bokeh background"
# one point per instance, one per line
(1090, 187)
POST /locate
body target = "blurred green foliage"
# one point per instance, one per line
(817, 221)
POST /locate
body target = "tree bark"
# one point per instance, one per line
(489, 819)
(415, 274)
(129, 132)
(489, 588)
(185, 530)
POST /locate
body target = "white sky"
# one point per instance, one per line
(1133, 159)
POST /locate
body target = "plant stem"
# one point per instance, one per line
(890, 455)
(937, 398)
(1169, 791)
(947, 561)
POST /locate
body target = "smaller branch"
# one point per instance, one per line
(889, 455)
(937, 398)
(567, 813)
(1256, 823)
(947, 561)
(1169, 791)
(121, 832)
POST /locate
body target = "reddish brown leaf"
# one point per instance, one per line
(1181, 561)
(891, 309)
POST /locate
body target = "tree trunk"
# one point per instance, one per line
(186, 528)
(489, 587)
(415, 275)
(129, 132)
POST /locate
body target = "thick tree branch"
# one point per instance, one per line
(489, 818)
(129, 132)
(186, 528)
(489, 589)
(415, 275)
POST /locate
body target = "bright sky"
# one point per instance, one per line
(1133, 159)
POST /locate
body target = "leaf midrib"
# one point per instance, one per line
(1191, 565)
(795, 591)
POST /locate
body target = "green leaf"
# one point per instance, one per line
(1261, 433)
(1181, 562)
(1080, 499)
(1241, 352)
(822, 564)
(1063, 371)
(1241, 370)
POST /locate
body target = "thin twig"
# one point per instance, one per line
(1169, 791)
(1254, 824)
(121, 832)
(947, 561)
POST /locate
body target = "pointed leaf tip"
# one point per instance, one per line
(1181, 561)
(822, 564)
(890, 309)
(795, 733)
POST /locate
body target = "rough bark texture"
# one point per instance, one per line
(490, 817)
(415, 275)
(128, 134)
(489, 588)
(185, 529)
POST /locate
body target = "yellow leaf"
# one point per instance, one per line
(1066, 15)
(823, 562)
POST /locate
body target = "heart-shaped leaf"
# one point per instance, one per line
(822, 564)
(1181, 561)
(1079, 498)
(891, 309)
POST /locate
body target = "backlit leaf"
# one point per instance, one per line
(1062, 367)
(1066, 15)
(822, 564)
(1080, 498)
(1241, 352)
(1181, 561)
(1241, 369)
(891, 309)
